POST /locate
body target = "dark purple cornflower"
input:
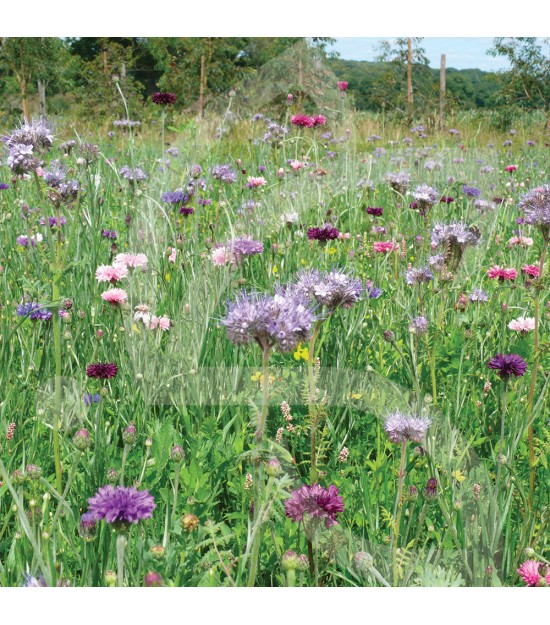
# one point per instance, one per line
(322, 234)
(53, 222)
(375, 211)
(102, 370)
(186, 211)
(314, 504)
(163, 98)
(109, 234)
(471, 191)
(402, 428)
(507, 365)
(420, 275)
(224, 173)
(33, 311)
(430, 492)
(446, 199)
(122, 505)
(173, 197)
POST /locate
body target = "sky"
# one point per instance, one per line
(462, 52)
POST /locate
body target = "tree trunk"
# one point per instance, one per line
(409, 72)
(201, 86)
(24, 89)
(442, 88)
(41, 86)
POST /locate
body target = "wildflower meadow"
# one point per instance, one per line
(298, 346)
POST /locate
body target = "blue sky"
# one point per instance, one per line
(462, 52)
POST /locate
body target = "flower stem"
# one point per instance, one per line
(311, 397)
(120, 547)
(397, 511)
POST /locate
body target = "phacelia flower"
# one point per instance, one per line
(121, 505)
(402, 428)
(134, 174)
(21, 159)
(331, 289)
(224, 173)
(315, 504)
(507, 365)
(536, 207)
(36, 134)
(102, 371)
(420, 275)
(399, 181)
(425, 196)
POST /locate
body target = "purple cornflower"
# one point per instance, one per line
(373, 292)
(109, 234)
(322, 234)
(281, 321)
(186, 211)
(224, 173)
(33, 311)
(314, 503)
(121, 505)
(173, 197)
(471, 191)
(132, 174)
(87, 525)
(430, 492)
(478, 295)
(23, 240)
(163, 98)
(402, 428)
(4, 186)
(419, 325)
(507, 365)
(53, 221)
(420, 275)
(90, 399)
(375, 211)
(331, 289)
(102, 371)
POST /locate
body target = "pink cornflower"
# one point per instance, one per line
(385, 246)
(115, 297)
(222, 256)
(172, 257)
(529, 571)
(302, 120)
(502, 274)
(319, 120)
(510, 168)
(521, 240)
(160, 323)
(296, 165)
(342, 85)
(111, 273)
(530, 270)
(522, 324)
(133, 261)
(255, 182)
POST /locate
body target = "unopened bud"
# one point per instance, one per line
(177, 454)
(189, 522)
(290, 560)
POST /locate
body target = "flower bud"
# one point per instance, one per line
(158, 552)
(290, 560)
(363, 561)
(82, 439)
(189, 522)
(303, 562)
(273, 467)
(34, 472)
(529, 552)
(389, 336)
(152, 580)
(129, 436)
(110, 578)
(87, 525)
(112, 476)
(18, 477)
(177, 454)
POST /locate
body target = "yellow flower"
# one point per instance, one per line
(332, 250)
(301, 352)
(167, 277)
(458, 476)
(135, 328)
(356, 395)
(257, 376)
(275, 270)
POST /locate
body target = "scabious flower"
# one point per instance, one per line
(224, 173)
(507, 365)
(23, 240)
(323, 234)
(483, 206)
(478, 295)
(111, 273)
(173, 197)
(115, 297)
(531, 572)
(122, 505)
(315, 504)
(420, 275)
(419, 325)
(402, 428)
(102, 371)
(281, 321)
(522, 324)
(132, 261)
(163, 98)
(502, 274)
(331, 289)
(33, 311)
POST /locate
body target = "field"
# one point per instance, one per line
(310, 350)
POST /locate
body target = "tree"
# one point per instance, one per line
(527, 84)
(32, 59)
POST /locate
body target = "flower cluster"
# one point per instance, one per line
(331, 289)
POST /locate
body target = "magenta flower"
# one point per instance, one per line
(316, 503)
(163, 98)
(530, 572)
(501, 274)
(342, 85)
(121, 505)
(305, 121)
(102, 370)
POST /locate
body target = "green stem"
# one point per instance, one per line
(124, 456)
(397, 511)
(120, 547)
(311, 397)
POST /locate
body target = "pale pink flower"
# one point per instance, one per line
(161, 323)
(281, 173)
(522, 324)
(111, 273)
(142, 314)
(344, 235)
(296, 165)
(115, 297)
(172, 257)
(222, 256)
(254, 182)
(521, 240)
(385, 246)
(133, 261)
